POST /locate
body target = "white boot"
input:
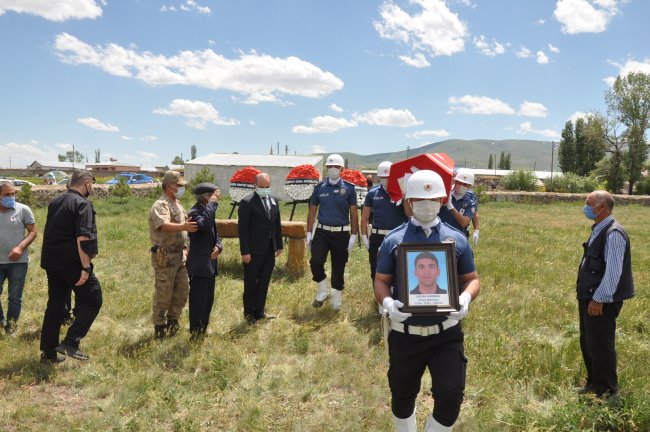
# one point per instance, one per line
(405, 425)
(433, 426)
(322, 291)
(335, 300)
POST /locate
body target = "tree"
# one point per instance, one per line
(629, 102)
(178, 160)
(508, 162)
(490, 162)
(611, 169)
(581, 147)
(566, 153)
(193, 152)
(595, 144)
(72, 156)
(502, 161)
(97, 156)
(271, 151)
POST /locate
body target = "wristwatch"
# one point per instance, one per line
(87, 269)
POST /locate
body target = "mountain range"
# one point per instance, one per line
(525, 154)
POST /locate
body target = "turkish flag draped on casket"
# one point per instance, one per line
(401, 171)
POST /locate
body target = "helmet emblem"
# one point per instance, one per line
(426, 187)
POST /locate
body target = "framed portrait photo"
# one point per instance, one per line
(428, 280)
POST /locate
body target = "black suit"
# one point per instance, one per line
(260, 235)
(201, 268)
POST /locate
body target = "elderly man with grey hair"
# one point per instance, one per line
(205, 247)
(17, 232)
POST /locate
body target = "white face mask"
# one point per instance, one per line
(425, 211)
(460, 191)
(179, 193)
(333, 173)
(384, 182)
(264, 192)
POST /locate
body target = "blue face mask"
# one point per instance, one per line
(180, 192)
(589, 212)
(263, 192)
(9, 202)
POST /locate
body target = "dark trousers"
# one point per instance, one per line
(201, 299)
(598, 345)
(257, 275)
(335, 243)
(88, 302)
(444, 355)
(374, 241)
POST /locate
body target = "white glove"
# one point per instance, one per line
(450, 205)
(475, 237)
(308, 241)
(352, 242)
(464, 300)
(366, 243)
(381, 310)
(392, 309)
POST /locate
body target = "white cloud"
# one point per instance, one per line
(526, 128)
(252, 123)
(469, 104)
(541, 57)
(488, 49)
(629, 67)
(198, 113)
(66, 147)
(260, 77)
(58, 10)
(334, 107)
(440, 133)
(434, 30)
(418, 60)
(149, 138)
(187, 6)
(324, 124)
(577, 115)
(553, 48)
(126, 138)
(540, 22)
(318, 149)
(19, 155)
(523, 52)
(585, 16)
(147, 156)
(388, 117)
(532, 109)
(93, 123)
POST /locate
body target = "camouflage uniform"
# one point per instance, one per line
(168, 261)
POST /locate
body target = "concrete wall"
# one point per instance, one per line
(222, 176)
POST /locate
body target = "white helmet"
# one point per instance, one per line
(465, 175)
(383, 170)
(425, 184)
(335, 160)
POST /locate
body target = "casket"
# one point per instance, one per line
(401, 171)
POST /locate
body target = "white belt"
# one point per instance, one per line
(333, 228)
(423, 331)
(380, 231)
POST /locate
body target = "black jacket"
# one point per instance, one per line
(257, 232)
(592, 268)
(203, 241)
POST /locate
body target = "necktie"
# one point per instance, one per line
(267, 206)
(427, 231)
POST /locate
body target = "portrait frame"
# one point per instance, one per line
(447, 279)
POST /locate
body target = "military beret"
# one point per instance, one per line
(202, 188)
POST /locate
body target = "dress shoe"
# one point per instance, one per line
(160, 331)
(250, 319)
(172, 327)
(55, 358)
(71, 351)
(264, 316)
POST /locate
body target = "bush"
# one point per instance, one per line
(520, 180)
(643, 186)
(121, 190)
(573, 183)
(203, 176)
(25, 196)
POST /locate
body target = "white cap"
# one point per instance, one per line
(335, 160)
(425, 184)
(383, 170)
(465, 175)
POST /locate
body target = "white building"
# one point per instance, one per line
(224, 165)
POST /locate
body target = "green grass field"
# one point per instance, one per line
(318, 370)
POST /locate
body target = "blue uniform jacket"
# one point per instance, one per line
(203, 241)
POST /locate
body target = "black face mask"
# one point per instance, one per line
(87, 194)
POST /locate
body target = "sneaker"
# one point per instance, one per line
(52, 358)
(10, 329)
(71, 351)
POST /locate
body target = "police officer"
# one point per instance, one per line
(418, 342)
(205, 247)
(462, 204)
(384, 213)
(336, 230)
(69, 245)
(167, 230)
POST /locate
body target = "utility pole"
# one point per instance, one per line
(73, 156)
(552, 152)
(278, 153)
(407, 151)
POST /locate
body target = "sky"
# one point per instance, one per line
(144, 80)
